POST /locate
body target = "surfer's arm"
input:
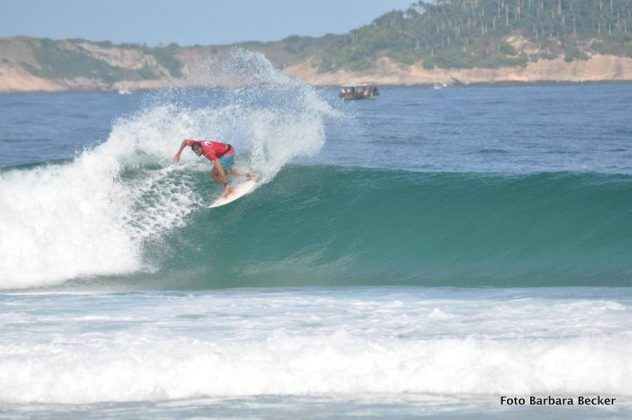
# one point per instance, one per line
(176, 157)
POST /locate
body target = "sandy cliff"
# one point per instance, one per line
(386, 72)
(20, 71)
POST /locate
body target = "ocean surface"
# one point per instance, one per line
(422, 253)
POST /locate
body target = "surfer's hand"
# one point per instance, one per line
(176, 158)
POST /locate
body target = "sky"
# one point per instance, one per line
(188, 22)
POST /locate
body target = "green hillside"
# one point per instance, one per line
(473, 33)
(70, 58)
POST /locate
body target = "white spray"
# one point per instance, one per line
(86, 218)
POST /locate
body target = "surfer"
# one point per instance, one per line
(222, 155)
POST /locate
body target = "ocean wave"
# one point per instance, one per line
(324, 225)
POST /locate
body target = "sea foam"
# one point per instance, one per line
(343, 341)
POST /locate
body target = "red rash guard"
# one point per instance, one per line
(212, 150)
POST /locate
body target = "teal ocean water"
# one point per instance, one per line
(422, 253)
(336, 226)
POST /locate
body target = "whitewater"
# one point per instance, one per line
(422, 253)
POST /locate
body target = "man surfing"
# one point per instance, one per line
(222, 155)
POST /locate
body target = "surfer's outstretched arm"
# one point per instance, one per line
(176, 157)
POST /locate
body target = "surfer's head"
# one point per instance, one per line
(197, 148)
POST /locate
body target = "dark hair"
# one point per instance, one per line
(196, 145)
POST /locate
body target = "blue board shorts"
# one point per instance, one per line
(227, 161)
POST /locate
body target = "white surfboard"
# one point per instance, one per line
(238, 192)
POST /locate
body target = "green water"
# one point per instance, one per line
(326, 225)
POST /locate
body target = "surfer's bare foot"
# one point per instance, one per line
(227, 190)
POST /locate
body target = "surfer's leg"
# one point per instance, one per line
(237, 172)
(228, 163)
(215, 176)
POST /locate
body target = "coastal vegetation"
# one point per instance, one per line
(57, 61)
(478, 33)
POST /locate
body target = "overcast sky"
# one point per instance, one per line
(188, 22)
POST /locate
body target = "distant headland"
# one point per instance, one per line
(445, 42)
